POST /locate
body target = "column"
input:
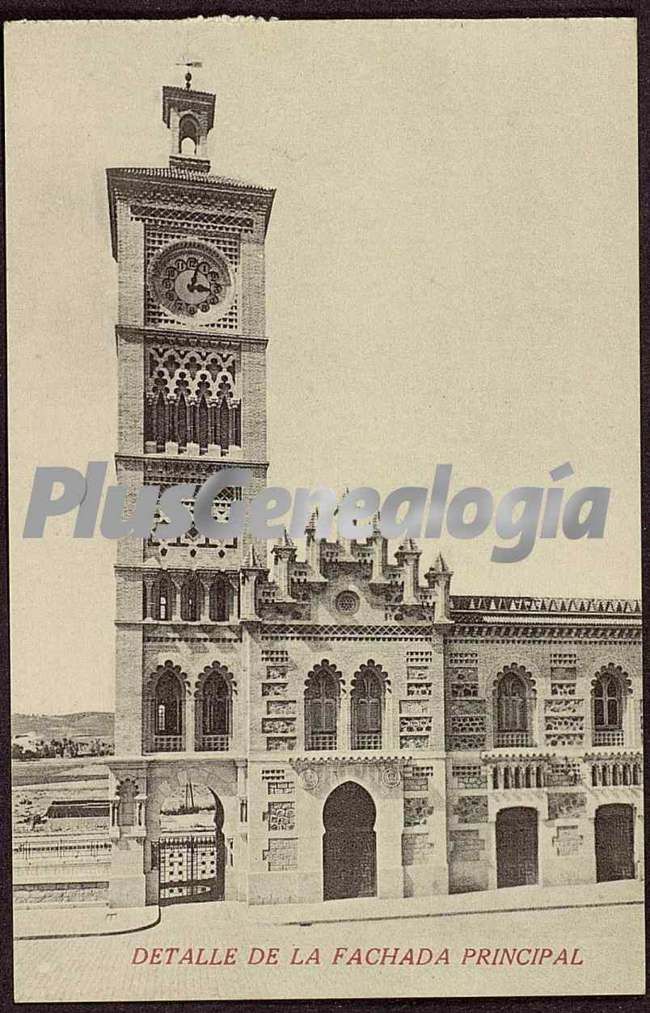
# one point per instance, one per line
(343, 737)
(204, 604)
(189, 744)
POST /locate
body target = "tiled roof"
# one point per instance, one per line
(189, 176)
(175, 175)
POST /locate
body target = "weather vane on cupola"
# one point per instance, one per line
(187, 61)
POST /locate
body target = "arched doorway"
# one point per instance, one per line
(516, 840)
(191, 851)
(349, 843)
(614, 837)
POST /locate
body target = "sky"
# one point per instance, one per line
(451, 278)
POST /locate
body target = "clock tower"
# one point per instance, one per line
(191, 351)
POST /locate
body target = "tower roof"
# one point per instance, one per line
(409, 546)
(284, 542)
(138, 182)
(440, 566)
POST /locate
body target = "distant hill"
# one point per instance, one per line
(98, 724)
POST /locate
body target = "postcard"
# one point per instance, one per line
(323, 344)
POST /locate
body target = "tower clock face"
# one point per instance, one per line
(192, 281)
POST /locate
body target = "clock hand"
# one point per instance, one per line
(192, 284)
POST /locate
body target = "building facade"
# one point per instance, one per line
(362, 730)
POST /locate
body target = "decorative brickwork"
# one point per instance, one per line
(568, 841)
(281, 815)
(416, 849)
(416, 812)
(415, 725)
(415, 782)
(281, 708)
(414, 708)
(275, 745)
(563, 804)
(408, 742)
(469, 776)
(471, 809)
(466, 845)
(282, 854)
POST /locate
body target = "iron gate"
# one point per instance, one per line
(191, 868)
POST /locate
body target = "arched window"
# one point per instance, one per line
(216, 713)
(511, 704)
(366, 705)
(202, 425)
(188, 136)
(159, 424)
(168, 705)
(607, 702)
(214, 709)
(224, 424)
(162, 599)
(181, 420)
(126, 810)
(321, 707)
(219, 603)
(163, 710)
(216, 706)
(607, 710)
(191, 600)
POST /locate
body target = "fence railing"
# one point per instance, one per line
(61, 851)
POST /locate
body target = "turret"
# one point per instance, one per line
(189, 116)
(312, 546)
(284, 555)
(439, 576)
(408, 559)
(251, 570)
(379, 553)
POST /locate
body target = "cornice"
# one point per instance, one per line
(153, 335)
(200, 464)
(522, 633)
(184, 185)
(315, 631)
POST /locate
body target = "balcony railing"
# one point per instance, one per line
(213, 743)
(608, 773)
(608, 738)
(321, 740)
(513, 739)
(167, 744)
(366, 740)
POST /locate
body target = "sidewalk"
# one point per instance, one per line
(53, 922)
(628, 891)
(100, 921)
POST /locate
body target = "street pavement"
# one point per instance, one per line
(215, 951)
